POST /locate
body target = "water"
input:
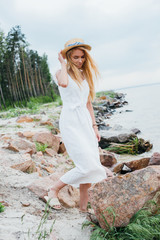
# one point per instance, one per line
(144, 102)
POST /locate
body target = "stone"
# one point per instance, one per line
(123, 138)
(125, 169)
(155, 159)
(28, 134)
(126, 194)
(27, 166)
(133, 165)
(39, 154)
(50, 152)
(68, 195)
(49, 169)
(25, 204)
(107, 159)
(135, 130)
(48, 138)
(62, 148)
(21, 144)
(22, 119)
(46, 123)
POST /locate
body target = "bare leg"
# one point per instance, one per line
(84, 196)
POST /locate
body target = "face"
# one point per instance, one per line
(77, 57)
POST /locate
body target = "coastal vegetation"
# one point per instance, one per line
(110, 94)
(25, 79)
(134, 146)
(1, 207)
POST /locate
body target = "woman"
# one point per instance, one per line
(77, 122)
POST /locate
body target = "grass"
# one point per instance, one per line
(2, 208)
(34, 106)
(41, 147)
(110, 94)
(41, 232)
(131, 147)
(144, 225)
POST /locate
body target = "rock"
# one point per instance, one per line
(126, 194)
(103, 97)
(28, 134)
(133, 165)
(144, 146)
(46, 123)
(25, 204)
(21, 144)
(68, 195)
(135, 130)
(108, 137)
(49, 169)
(123, 138)
(27, 166)
(50, 152)
(62, 148)
(48, 138)
(155, 159)
(125, 169)
(29, 151)
(39, 154)
(107, 158)
(22, 119)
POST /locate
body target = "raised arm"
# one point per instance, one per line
(62, 75)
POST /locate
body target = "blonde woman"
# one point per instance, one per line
(77, 123)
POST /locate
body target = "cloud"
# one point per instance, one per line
(124, 35)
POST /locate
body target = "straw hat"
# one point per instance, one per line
(73, 43)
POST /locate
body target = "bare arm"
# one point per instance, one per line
(61, 75)
(90, 108)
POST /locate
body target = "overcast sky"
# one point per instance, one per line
(124, 34)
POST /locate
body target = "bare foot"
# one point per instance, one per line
(53, 194)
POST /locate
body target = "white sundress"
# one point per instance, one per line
(78, 135)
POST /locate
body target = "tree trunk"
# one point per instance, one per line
(1, 93)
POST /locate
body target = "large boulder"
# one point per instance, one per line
(126, 194)
(48, 138)
(68, 195)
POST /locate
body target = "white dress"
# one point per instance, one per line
(78, 135)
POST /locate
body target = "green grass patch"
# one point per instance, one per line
(2, 208)
(110, 94)
(41, 147)
(33, 106)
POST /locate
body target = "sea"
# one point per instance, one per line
(142, 112)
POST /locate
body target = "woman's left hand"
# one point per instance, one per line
(97, 133)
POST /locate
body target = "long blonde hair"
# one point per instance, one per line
(89, 68)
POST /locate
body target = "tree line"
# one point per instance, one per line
(23, 73)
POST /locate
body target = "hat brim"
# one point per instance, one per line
(88, 47)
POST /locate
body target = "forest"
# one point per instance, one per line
(23, 73)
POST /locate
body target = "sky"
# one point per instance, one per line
(124, 34)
